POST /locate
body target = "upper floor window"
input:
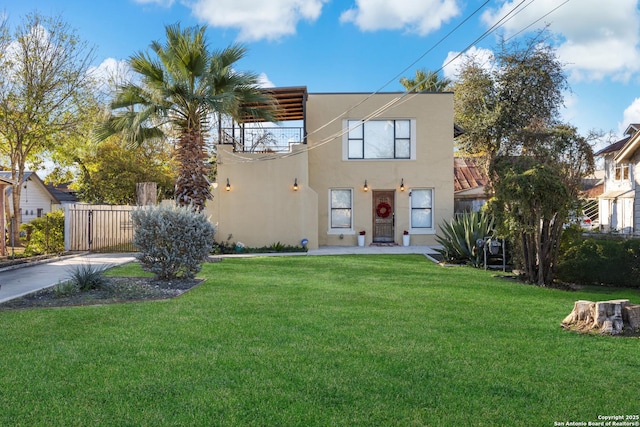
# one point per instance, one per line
(622, 172)
(380, 139)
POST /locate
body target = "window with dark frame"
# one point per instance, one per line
(379, 139)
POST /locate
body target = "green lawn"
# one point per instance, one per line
(318, 341)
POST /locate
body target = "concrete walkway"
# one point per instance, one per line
(28, 278)
(17, 282)
(372, 250)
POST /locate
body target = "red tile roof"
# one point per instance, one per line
(466, 175)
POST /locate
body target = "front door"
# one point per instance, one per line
(383, 216)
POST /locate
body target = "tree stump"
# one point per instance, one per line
(605, 317)
(147, 193)
(632, 315)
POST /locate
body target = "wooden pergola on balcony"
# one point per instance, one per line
(253, 134)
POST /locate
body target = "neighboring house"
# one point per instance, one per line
(468, 185)
(379, 164)
(591, 188)
(620, 202)
(35, 198)
(63, 193)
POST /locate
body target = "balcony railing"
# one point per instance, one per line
(274, 139)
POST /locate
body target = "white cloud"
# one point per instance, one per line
(451, 65)
(110, 73)
(258, 19)
(630, 115)
(415, 16)
(597, 39)
(263, 81)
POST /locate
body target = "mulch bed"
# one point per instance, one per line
(117, 290)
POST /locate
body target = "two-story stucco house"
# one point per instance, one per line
(378, 164)
(620, 202)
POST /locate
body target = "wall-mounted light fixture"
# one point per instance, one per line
(366, 187)
(402, 184)
(228, 187)
(295, 184)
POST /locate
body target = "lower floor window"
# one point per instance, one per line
(422, 208)
(341, 208)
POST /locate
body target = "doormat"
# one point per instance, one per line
(384, 244)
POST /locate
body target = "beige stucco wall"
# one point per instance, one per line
(262, 208)
(432, 166)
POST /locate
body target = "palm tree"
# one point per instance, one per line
(426, 81)
(176, 95)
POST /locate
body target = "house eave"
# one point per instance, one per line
(629, 149)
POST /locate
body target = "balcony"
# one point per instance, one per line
(263, 139)
(254, 135)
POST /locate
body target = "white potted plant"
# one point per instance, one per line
(361, 238)
(406, 238)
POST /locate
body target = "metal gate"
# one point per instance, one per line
(99, 228)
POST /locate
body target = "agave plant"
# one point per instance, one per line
(459, 237)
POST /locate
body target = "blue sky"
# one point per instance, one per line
(366, 45)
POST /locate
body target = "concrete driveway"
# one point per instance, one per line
(17, 282)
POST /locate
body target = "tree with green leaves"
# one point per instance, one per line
(494, 101)
(535, 194)
(176, 93)
(509, 110)
(110, 172)
(43, 75)
(426, 81)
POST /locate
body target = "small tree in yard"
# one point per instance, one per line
(535, 193)
(511, 116)
(173, 241)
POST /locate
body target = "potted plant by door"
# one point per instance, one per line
(406, 238)
(361, 237)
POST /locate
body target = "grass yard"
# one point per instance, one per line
(317, 341)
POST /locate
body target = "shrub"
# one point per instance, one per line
(601, 261)
(46, 234)
(65, 289)
(173, 241)
(459, 237)
(86, 277)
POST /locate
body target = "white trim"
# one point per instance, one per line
(424, 230)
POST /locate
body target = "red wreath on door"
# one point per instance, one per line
(383, 209)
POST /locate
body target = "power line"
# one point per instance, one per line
(409, 94)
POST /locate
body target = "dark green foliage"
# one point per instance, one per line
(173, 241)
(229, 247)
(459, 237)
(86, 277)
(601, 261)
(45, 234)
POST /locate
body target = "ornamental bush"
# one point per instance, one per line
(459, 236)
(173, 241)
(46, 234)
(601, 261)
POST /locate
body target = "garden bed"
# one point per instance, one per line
(116, 290)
